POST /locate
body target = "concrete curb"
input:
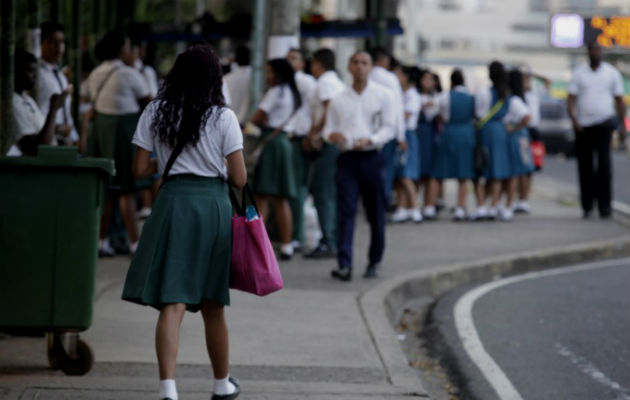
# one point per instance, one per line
(381, 304)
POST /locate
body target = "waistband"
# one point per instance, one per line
(195, 178)
(357, 153)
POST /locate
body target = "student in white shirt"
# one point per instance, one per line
(118, 93)
(30, 127)
(300, 127)
(274, 180)
(596, 107)
(381, 73)
(237, 82)
(407, 172)
(183, 259)
(359, 121)
(427, 131)
(324, 164)
(51, 80)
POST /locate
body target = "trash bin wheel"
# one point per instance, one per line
(82, 363)
(56, 353)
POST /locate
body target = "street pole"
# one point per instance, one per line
(75, 57)
(381, 23)
(258, 54)
(7, 53)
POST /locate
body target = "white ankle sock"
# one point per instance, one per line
(224, 386)
(168, 389)
(287, 248)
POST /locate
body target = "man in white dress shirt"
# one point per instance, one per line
(237, 82)
(359, 121)
(596, 107)
(300, 126)
(51, 80)
(382, 74)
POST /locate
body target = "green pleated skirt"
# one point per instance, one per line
(185, 248)
(275, 171)
(111, 138)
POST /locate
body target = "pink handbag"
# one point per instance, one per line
(254, 268)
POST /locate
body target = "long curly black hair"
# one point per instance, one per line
(191, 94)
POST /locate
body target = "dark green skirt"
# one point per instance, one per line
(185, 249)
(275, 175)
(112, 136)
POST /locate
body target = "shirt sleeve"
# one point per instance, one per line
(324, 91)
(143, 137)
(517, 109)
(445, 105)
(388, 127)
(332, 120)
(137, 84)
(270, 100)
(572, 86)
(232, 137)
(482, 103)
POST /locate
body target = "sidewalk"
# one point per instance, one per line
(310, 340)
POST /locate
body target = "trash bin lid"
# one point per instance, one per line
(60, 156)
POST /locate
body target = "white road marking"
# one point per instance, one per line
(591, 370)
(469, 336)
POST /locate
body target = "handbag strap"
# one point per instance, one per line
(493, 111)
(102, 85)
(240, 208)
(179, 146)
(276, 131)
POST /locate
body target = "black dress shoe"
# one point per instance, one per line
(344, 274)
(587, 214)
(232, 396)
(371, 271)
(321, 251)
(605, 214)
(285, 256)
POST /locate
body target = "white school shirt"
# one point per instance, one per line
(220, 137)
(365, 115)
(27, 120)
(430, 112)
(595, 92)
(517, 110)
(302, 121)
(328, 86)
(47, 85)
(120, 93)
(278, 105)
(238, 83)
(411, 103)
(445, 102)
(532, 99)
(391, 82)
(149, 75)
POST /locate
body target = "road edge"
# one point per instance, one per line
(381, 304)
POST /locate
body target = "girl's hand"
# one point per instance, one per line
(510, 128)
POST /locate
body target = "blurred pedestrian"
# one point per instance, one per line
(183, 259)
(427, 131)
(118, 93)
(381, 73)
(301, 125)
(454, 152)
(274, 180)
(408, 164)
(30, 127)
(360, 120)
(595, 96)
(520, 150)
(324, 164)
(238, 82)
(51, 80)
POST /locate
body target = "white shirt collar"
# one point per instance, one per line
(460, 88)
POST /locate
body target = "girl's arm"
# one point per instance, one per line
(143, 166)
(237, 173)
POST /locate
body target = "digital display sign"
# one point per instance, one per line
(573, 30)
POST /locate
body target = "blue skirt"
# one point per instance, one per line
(495, 139)
(408, 165)
(521, 153)
(426, 142)
(454, 153)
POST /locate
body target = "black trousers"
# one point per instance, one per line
(595, 178)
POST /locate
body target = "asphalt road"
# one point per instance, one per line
(550, 335)
(565, 170)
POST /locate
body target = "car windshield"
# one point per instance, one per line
(554, 109)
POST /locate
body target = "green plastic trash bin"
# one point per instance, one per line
(50, 208)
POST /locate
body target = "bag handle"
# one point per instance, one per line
(493, 111)
(100, 87)
(240, 208)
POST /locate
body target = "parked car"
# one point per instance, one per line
(556, 129)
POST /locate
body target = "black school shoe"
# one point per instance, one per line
(344, 274)
(232, 396)
(321, 251)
